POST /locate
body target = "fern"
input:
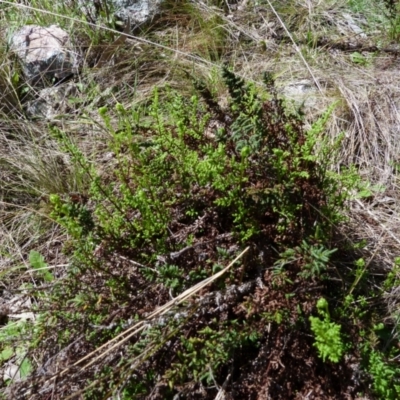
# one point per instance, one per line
(327, 334)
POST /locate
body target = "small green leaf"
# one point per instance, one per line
(15, 79)
(25, 368)
(358, 58)
(7, 353)
(37, 262)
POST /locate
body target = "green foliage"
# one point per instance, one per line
(170, 276)
(262, 173)
(37, 262)
(148, 224)
(386, 376)
(12, 346)
(359, 272)
(75, 217)
(204, 353)
(393, 15)
(358, 58)
(355, 308)
(312, 259)
(316, 259)
(327, 334)
(25, 367)
(373, 12)
(170, 189)
(393, 277)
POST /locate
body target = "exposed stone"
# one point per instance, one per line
(46, 54)
(12, 372)
(137, 12)
(51, 102)
(348, 26)
(302, 93)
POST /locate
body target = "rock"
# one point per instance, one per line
(46, 54)
(302, 93)
(51, 102)
(12, 372)
(348, 26)
(18, 308)
(138, 12)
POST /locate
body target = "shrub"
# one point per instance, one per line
(163, 215)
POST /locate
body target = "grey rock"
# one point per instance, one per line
(348, 26)
(46, 54)
(51, 102)
(137, 12)
(302, 93)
